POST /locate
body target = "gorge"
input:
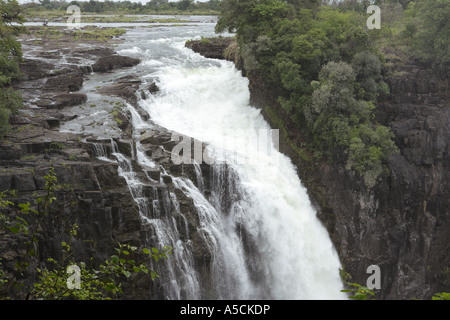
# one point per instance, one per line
(247, 230)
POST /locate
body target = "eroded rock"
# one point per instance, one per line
(105, 64)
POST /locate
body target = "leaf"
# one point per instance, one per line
(14, 229)
(154, 275)
(146, 251)
(126, 273)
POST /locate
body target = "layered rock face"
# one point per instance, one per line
(90, 192)
(401, 225)
(92, 189)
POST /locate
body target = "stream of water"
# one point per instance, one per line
(264, 239)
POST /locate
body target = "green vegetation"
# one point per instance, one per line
(427, 29)
(328, 69)
(10, 57)
(22, 223)
(53, 9)
(101, 34)
(441, 296)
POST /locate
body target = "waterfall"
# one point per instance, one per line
(246, 228)
(257, 223)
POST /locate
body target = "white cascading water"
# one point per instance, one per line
(291, 253)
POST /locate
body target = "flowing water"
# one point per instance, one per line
(257, 222)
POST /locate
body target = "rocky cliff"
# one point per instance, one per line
(402, 223)
(90, 192)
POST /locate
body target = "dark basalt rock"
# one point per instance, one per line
(153, 88)
(67, 82)
(35, 69)
(210, 48)
(124, 87)
(402, 223)
(105, 64)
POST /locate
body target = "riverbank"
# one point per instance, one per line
(57, 63)
(400, 224)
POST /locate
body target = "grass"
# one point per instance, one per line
(27, 157)
(116, 16)
(87, 17)
(94, 33)
(57, 34)
(129, 19)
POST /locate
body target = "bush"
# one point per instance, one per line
(327, 76)
(430, 34)
(342, 124)
(10, 56)
(4, 122)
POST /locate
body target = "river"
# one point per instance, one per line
(266, 242)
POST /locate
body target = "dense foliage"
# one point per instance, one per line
(128, 7)
(428, 29)
(10, 57)
(328, 74)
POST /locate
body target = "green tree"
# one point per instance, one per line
(342, 124)
(10, 57)
(432, 32)
(320, 62)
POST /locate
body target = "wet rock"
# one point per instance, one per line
(89, 53)
(124, 87)
(10, 152)
(123, 120)
(107, 177)
(153, 88)
(154, 174)
(67, 82)
(166, 179)
(61, 100)
(71, 99)
(158, 138)
(24, 181)
(125, 147)
(52, 123)
(19, 120)
(86, 69)
(35, 69)
(35, 147)
(211, 47)
(111, 62)
(5, 182)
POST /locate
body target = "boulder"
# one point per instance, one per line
(71, 99)
(61, 100)
(124, 87)
(24, 181)
(213, 48)
(35, 69)
(67, 82)
(111, 62)
(153, 88)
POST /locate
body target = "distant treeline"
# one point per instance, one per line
(124, 7)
